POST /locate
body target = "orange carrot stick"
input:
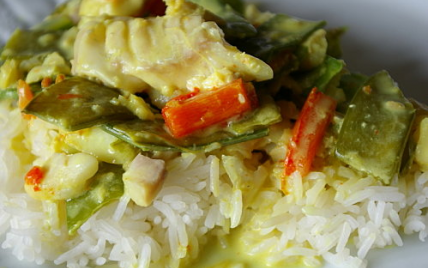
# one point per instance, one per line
(188, 113)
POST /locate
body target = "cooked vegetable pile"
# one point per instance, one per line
(123, 82)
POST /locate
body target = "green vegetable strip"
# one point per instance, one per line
(107, 186)
(376, 128)
(151, 136)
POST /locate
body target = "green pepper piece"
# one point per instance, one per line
(152, 136)
(107, 186)
(280, 33)
(77, 103)
(376, 128)
(232, 23)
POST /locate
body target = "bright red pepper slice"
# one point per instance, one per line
(308, 133)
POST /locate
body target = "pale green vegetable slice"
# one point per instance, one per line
(107, 186)
(376, 127)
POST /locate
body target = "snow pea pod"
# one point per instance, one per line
(229, 19)
(376, 128)
(77, 103)
(107, 186)
(152, 136)
(279, 33)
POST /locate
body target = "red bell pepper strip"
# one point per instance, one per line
(308, 133)
(188, 113)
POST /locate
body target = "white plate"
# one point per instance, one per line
(382, 34)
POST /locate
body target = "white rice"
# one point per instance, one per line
(333, 213)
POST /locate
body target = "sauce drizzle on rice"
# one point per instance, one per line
(34, 177)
